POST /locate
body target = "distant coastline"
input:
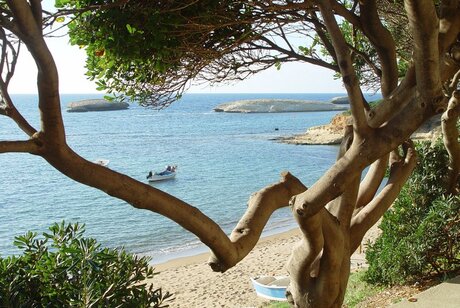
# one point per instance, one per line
(277, 105)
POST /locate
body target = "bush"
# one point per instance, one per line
(64, 269)
(421, 232)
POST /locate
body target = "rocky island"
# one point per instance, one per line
(340, 100)
(96, 105)
(277, 105)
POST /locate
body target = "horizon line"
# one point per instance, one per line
(98, 93)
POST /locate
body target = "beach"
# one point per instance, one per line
(194, 284)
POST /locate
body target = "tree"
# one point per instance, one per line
(409, 49)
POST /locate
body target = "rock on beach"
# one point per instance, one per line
(276, 105)
(95, 105)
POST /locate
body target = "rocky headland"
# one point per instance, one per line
(96, 105)
(277, 105)
(332, 133)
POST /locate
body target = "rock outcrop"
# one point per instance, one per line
(96, 105)
(332, 133)
(277, 105)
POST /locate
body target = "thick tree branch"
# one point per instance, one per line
(360, 155)
(450, 137)
(47, 78)
(37, 12)
(304, 260)
(371, 183)
(384, 44)
(335, 243)
(392, 105)
(143, 196)
(405, 92)
(226, 252)
(349, 77)
(28, 146)
(400, 170)
(342, 207)
(261, 206)
(424, 24)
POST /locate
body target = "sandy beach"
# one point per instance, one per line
(194, 284)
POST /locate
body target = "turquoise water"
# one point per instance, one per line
(222, 158)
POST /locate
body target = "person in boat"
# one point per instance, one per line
(150, 175)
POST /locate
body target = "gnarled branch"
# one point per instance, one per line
(47, 78)
(349, 77)
(261, 206)
(423, 22)
(384, 44)
(371, 182)
(400, 170)
(450, 138)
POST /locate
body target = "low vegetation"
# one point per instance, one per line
(65, 269)
(421, 232)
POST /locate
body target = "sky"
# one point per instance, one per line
(70, 60)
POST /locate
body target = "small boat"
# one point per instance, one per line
(167, 174)
(101, 162)
(271, 287)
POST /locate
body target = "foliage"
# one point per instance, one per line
(421, 232)
(132, 48)
(151, 50)
(65, 269)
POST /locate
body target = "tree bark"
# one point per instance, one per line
(450, 136)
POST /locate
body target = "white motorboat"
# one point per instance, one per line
(102, 162)
(167, 174)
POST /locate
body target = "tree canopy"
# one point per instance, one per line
(141, 48)
(150, 51)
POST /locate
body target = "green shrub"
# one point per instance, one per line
(421, 232)
(65, 269)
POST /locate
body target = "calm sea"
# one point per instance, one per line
(222, 158)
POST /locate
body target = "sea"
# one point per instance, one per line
(222, 159)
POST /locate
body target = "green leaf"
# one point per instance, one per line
(131, 30)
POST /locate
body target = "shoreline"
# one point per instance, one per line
(203, 256)
(194, 284)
